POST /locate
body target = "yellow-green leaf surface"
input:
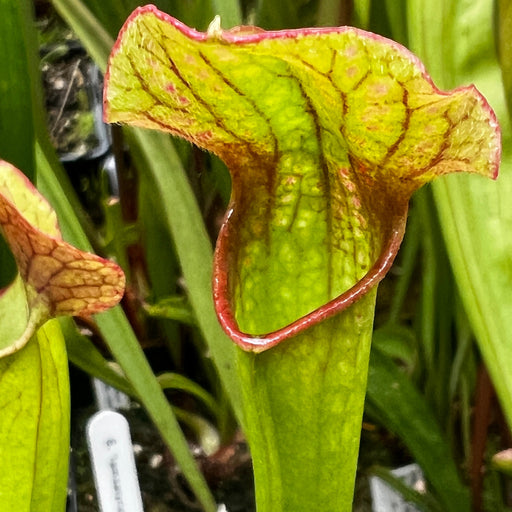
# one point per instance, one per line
(54, 277)
(34, 424)
(326, 132)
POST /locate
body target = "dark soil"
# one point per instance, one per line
(163, 489)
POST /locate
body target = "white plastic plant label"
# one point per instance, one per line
(386, 499)
(115, 475)
(108, 397)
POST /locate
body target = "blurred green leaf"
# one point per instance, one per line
(362, 13)
(18, 79)
(173, 308)
(436, 311)
(18, 98)
(394, 401)
(197, 13)
(163, 269)
(397, 342)
(34, 424)
(83, 354)
(112, 13)
(389, 18)
(504, 18)
(175, 381)
(159, 164)
(396, 13)
(475, 215)
(272, 15)
(406, 265)
(229, 11)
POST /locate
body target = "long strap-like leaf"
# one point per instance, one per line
(475, 215)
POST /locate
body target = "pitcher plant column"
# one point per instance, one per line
(327, 133)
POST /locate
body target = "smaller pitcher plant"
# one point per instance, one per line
(53, 279)
(326, 133)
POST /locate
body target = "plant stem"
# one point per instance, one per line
(303, 404)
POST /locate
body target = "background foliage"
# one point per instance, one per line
(443, 319)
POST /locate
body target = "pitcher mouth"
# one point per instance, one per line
(261, 342)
